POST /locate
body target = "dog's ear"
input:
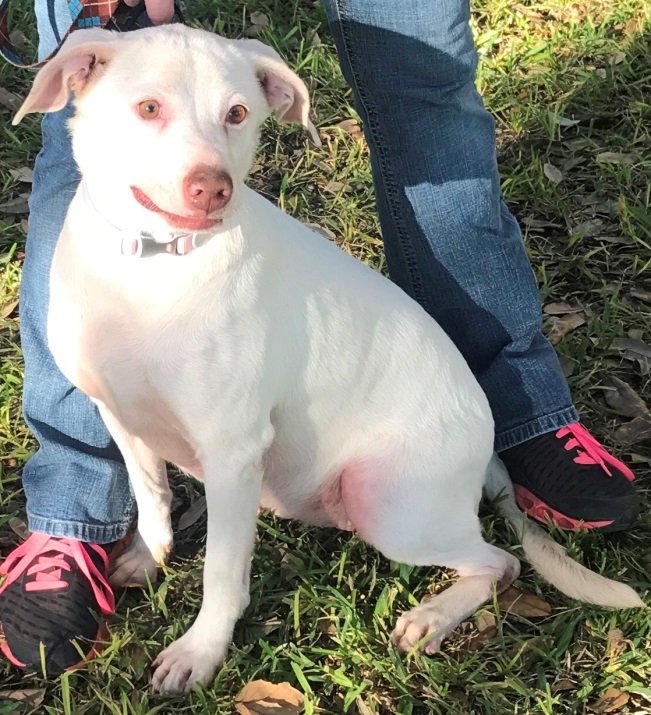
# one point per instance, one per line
(285, 91)
(79, 59)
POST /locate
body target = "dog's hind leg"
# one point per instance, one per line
(429, 522)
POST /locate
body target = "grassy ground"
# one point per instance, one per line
(569, 85)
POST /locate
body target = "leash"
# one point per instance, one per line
(108, 14)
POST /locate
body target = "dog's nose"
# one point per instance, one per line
(207, 189)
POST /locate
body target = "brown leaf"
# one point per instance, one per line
(18, 205)
(351, 126)
(24, 174)
(192, 515)
(611, 701)
(616, 157)
(334, 187)
(326, 626)
(562, 685)
(7, 309)
(622, 398)
(637, 430)
(616, 643)
(481, 638)
(553, 173)
(633, 349)
(19, 527)
(523, 604)
(485, 620)
(641, 294)
(564, 325)
(259, 18)
(9, 99)
(618, 58)
(362, 707)
(568, 365)
(260, 697)
(631, 27)
(322, 230)
(560, 309)
(33, 697)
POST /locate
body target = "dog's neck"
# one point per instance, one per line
(142, 244)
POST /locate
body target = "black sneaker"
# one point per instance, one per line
(570, 478)
(53, 596)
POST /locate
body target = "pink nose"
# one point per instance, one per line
(207, 189)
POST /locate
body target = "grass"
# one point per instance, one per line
(567, 82)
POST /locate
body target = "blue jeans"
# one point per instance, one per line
(450, 242)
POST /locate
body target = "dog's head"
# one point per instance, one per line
(167, 118)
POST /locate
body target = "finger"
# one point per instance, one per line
(160, 11)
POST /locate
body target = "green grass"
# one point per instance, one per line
(567, 81)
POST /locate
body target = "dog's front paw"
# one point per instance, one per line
(190, 660)
(135, 566)
(423, 627)
(157, 534)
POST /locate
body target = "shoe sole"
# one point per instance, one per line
(543, 513)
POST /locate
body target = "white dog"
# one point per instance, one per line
(215, 332)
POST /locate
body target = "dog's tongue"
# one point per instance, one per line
(190, 223)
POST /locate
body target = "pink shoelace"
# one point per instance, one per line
(43, 558)
(590, 451)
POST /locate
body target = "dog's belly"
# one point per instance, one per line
(326, 508)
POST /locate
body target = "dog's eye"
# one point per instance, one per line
(149, 109)
(237, 114)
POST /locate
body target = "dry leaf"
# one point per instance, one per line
(33, 697)
(618, 58)
(616, 643)
(9, 99)
(554, 174)
(622, 398)
(362, 707)
(633, 349)
(631, 27)
(24, 174)
(24, 225)
(641, 294)
(485, 620)
(611, 701)
(481, 638)
(637, 430)
(8, 309)
(562, 685)
(193, 513)
(262, 698)
(333, 187)
(560, 309)
(326, 626)
(563, 326)
(19, 527)
(565, 122)
(259, 18)
(352, 127)
(568, 365)
(18, 205)
(523, 604)
(322, 230)
(616, 157)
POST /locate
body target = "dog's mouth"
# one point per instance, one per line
(191, 223)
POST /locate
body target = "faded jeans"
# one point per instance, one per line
(449, 239)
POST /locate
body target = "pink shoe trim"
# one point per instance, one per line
(590, 451)
(47, 571)
(539, 511)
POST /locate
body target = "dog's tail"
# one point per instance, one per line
(548, 558)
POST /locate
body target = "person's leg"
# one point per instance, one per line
(452, 244)
(77, 489)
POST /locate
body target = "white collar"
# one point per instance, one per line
(142, 244)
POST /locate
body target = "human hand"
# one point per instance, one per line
(159, 11)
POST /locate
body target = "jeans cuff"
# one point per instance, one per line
(535, 428)
(90, 533)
